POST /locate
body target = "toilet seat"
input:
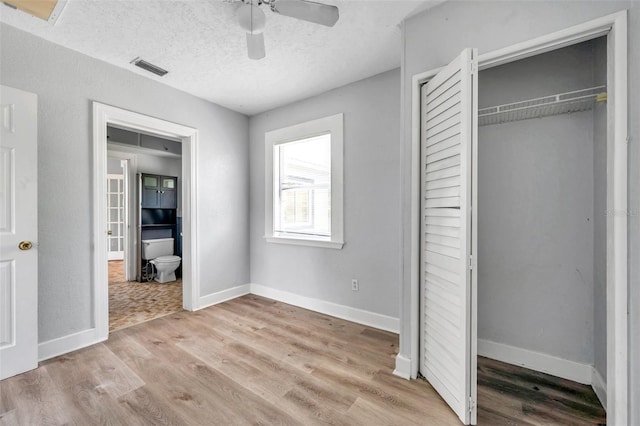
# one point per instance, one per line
(167, 259)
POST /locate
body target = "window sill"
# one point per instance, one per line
(305, 242)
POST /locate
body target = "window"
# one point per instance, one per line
(304, 183)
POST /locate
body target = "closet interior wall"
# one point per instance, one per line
(541, 212)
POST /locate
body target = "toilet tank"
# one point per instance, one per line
(156, 248)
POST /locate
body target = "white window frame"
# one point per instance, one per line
(334, 125)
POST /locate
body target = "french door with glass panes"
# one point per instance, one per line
(115, 217)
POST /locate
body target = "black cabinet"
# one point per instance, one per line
(159, 192)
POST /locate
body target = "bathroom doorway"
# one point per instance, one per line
(155, 138)
(135, 295)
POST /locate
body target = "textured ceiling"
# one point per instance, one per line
(202, 46)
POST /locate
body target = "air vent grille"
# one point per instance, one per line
(149, 67)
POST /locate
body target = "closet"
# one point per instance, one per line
(541, 207)
(513, 227)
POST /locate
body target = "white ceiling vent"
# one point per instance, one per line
(149, 67)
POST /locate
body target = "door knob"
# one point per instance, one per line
(109, 232)
(25, 245)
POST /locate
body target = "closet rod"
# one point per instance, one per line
(561, 103)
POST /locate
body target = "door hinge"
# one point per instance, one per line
(472, 404)
(471, 262)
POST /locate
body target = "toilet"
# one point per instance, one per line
(159, 253)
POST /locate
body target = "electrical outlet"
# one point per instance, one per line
(354, 285)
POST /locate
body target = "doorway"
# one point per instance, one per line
(135, 295)
(105, 116)
(614, 28)
(541, 219)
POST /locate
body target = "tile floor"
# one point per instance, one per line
(131, 302)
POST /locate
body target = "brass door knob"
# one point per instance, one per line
(109, 232)
(25, 245)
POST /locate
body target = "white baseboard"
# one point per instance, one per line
(72, 342)
(538, 361)
(348, 313)
(599, 387)
(62, 345)
(223, 296)
(403, 367)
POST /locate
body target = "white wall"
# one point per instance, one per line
(66, 83)
(535, 211)
(371, 201)
(435, 37)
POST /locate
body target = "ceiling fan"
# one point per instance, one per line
(252, 19)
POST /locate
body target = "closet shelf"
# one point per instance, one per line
(578, 100)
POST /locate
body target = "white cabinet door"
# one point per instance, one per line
(18, 232)
(448, 326)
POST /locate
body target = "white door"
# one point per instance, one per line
(18, 232)
(448, 300)
(115, 217)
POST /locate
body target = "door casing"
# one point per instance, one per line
(104, 115)
(613, 26)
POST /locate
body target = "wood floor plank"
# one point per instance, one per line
(36, 399)
(9, 418)
(206, 379)
(88, 403)
(299, 394)
(294, 319)
(252, 361)
(343, 349)
(523, 395)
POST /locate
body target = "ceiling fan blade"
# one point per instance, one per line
(310, 11)
(255, 45)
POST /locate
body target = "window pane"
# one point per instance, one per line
(150, 181)
(304, 192)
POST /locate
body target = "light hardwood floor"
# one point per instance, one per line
(246, 361)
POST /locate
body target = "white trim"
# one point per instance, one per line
(333, 124)
(305, 242)
(348, 313)
(62, 345)
(537, 361)
(403, 367)
(56, 12)
(615, 27)
(106, 114)
(617, 153)
(223, 296)
(130, 170)
(599, 386)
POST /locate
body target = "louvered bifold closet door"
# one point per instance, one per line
(448, 332)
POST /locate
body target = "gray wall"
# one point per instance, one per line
(155, 164)
(433, 38)
(113, 166)
(66, 83)
(147, 163)
(535, 211)
(600, 214)
(371, 201)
